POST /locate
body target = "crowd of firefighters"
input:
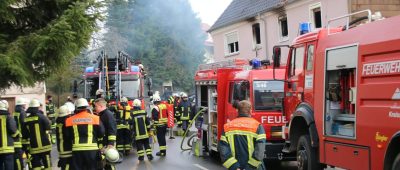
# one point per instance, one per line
(89, 134)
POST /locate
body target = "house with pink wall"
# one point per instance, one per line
(250, 28)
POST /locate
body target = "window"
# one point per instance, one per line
(232, 42)
(256, 33)
(239, 91)
(268, 95)
(283, 28)
(315, 15)
(310, 57)
(296, 61)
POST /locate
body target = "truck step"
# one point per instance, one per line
(286, 148)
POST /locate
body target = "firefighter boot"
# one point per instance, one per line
(161, 154)
(150, 157)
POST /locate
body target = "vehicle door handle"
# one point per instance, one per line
(335, 149)
(355, 153)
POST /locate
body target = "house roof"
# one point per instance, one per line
(240, 10)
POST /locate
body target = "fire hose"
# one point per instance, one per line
(200, 112)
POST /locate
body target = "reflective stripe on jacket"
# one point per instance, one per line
(19, 117)
(242, 144)
(185, 110)
(64, 145)
(84, 129)
(34, 132)
(8, 130)
(141, 124)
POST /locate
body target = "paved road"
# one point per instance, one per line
(175, 160)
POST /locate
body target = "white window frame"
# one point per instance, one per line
(227, 50)
(311, 9)
(281, 37)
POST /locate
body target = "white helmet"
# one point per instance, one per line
(140, 66)
(4, 105)
(64, 111)
(124, 99)
(137, 103)
(99, 91)
(184, 95)
(156, 98)
(81, 103)
(34, 103)
(21, 101)
(112, 155)
(71, 106)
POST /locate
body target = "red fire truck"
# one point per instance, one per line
(219, 85)
(342, 96)
(118, 77)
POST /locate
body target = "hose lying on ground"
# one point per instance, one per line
(201, 111)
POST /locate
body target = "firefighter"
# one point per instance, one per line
(19, 117)
(159, 116)
(8, 130)
(141, 128)
(123, 130)
(34, 133)
(185, 109)
(64, 145)
(99, 93)
(247, 150)
(84, 129)
(110, 127)
(50, 112)
(177, 113)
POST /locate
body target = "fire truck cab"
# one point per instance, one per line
(342, 95)
(220, 85)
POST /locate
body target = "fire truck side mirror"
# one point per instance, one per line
(277, 56)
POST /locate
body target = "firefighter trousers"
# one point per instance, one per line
(41, 159)
(6, 161)
(65, 163)
(161, 131)
(143, 146)
(185, 124)
(84, 160)
(124, 142)
(18, 160)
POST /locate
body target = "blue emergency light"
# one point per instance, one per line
(255, 63)
(89, 70)
(305, 27)
(135, 69)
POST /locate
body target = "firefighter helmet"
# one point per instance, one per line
(34, 103)
(124, 99)
(184, 95)
(21, 101)
(71, 106)
(140, 66)
(112, 155)
(64, 111)
(3, 105)
(81, 103)
(99, 91)
(137, 103)
(156, 98)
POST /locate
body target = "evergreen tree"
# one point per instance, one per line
(39, 38)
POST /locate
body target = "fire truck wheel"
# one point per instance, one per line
(307, 158)
(396, 163)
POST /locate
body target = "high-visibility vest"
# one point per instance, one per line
(85, 128)
(170, 112)
(162, 115)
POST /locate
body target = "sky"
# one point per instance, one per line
(209, 10)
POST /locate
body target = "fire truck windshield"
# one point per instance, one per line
(268, 95)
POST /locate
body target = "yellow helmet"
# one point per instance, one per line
(34, 103)
(4, 105)
(137, 103)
